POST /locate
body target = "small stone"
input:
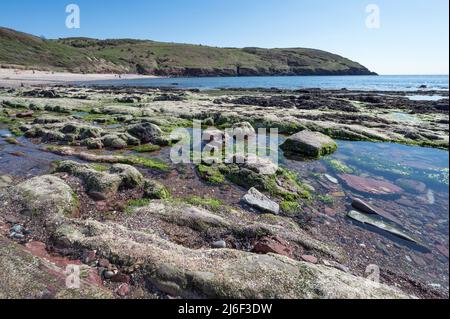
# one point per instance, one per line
(89, 256)
(408, 258)
(97, 196)
(330, 212)
(17, 229)
(331, 179)
(273, 245)
(418, 260)
(310, 259)
(219, 244)
(108, 274)
(258, 200)
(18, 236)
(121, 278)
(443, 250)
(104, 263)
(123, 290)
(338, 194)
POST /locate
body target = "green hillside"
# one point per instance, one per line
(84, 55)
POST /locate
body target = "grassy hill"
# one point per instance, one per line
(85, 55)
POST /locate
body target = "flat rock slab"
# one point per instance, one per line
(370, 185)
(371, 220)
(369, 209)
(261, 202)
(310, 144)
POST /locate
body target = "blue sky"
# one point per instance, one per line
(413, 37)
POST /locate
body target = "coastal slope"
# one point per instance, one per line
(85, 55)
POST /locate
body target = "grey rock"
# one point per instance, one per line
(146, 133)
(331, 179)
(113, 141)
(46, 193)
(108, 274)
(131, 177)
(412, 185)
(370, 220)
(261, 202)
(219, 244)
(310, 144)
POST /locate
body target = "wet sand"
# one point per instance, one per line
(17, 78)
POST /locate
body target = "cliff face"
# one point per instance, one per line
(84, 55)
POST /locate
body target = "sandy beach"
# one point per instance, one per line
(17, 78)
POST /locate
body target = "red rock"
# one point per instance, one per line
(89, 256)
(104, 263)
(121, 278)
(274, 245)
(25, 114)
(418, 260)
(123, 290)
(38, 249)
(443, 250)
(310, 259)
(101, 206)
(330, 212)
(370, 185)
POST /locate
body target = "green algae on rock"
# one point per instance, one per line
(310, 144)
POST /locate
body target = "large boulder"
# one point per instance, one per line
(146, 133)
(94, 181)
(261, 202)
(309, 144)
(114, 141)
(131, 177)
(47, 193)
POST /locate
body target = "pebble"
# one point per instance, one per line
(17, 229)
(219, 244)
(108, 274)
(331, 179)
(408, 259)
(104, 263)
(121, 278)
(310, 259)
(97, 196)
(123, 290)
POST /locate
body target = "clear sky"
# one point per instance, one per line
(413, 37)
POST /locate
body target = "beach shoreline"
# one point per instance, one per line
(28, 78)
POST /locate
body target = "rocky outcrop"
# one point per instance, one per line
(119, 176)
(26, 276)
(310, 144)
(196, 273)
(221, 273)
